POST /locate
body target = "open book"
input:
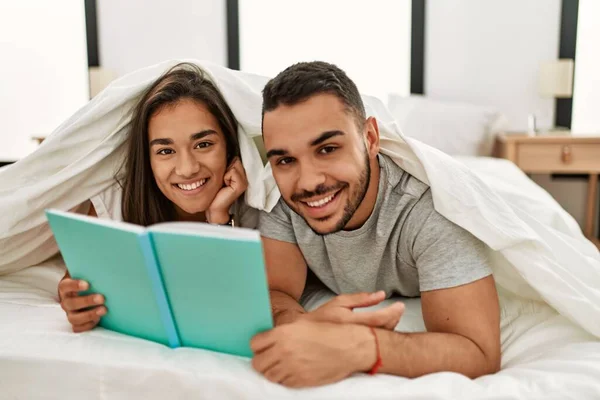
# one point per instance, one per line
(179, 284)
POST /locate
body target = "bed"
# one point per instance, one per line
(545, 356)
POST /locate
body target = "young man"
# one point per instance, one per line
(368, 230)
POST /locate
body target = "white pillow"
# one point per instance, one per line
(452, 127)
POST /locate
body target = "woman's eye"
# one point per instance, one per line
(203, 145)
(165, 152)
(285, 161)
(327, 149)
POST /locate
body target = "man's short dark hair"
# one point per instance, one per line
(303, 80)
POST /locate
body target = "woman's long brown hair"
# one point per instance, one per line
(143, 203)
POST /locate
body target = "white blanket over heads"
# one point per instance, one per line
(540, 257)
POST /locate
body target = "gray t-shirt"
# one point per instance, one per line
(405, 247)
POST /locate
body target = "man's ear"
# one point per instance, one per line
(372, 136)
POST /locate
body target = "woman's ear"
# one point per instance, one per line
(231, 160)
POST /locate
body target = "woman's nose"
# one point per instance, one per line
(187, 165)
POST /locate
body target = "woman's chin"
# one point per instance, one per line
(191, 213)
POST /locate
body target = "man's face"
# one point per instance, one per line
(320, 160)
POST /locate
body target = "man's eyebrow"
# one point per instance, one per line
(326, 135)
(193, 136)
(276, 152)
(323, 137)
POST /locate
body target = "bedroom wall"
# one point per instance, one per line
(43, 68)
(136, 33)
(370, 42)
(586, 91)
(489, 52)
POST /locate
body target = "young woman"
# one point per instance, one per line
(182, 164)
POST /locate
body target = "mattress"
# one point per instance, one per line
(544, 354)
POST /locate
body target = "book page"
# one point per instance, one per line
(208, 230)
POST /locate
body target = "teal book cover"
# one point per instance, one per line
(179, 284)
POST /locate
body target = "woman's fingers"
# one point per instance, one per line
(83, 312)
(77, 318)
(239, 167)
(85, 327)
(71, 287)
(236, 178)
(77, 303)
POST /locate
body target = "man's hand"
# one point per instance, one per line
(340, 310)
(307, 353)
(83, 312)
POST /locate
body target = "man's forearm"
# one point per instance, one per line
(417, 354)
(285, 308)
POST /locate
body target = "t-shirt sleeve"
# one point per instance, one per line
(277, 224)
(245, 216)
(444, 254)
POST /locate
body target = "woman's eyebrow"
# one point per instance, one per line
(161, 141)
(202, 134)
(193, 136)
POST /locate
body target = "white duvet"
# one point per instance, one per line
(548, 274)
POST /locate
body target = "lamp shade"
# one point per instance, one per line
(556, 78)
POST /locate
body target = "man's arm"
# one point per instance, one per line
(463, 325)
(463, 337)
(286, 271)
(458, 298)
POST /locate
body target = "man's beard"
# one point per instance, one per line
(351, 206)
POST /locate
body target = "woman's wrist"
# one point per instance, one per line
(218, 217)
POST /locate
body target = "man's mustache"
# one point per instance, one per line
(318, 191)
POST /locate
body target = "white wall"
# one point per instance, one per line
(43, 65)
(371, 42)
(489, 53)
(586, 92)
(137, 33)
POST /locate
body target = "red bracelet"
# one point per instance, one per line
(378, 362)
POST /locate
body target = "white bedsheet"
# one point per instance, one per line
(536, 252)
(545, 356)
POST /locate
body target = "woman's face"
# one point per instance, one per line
(188, 155)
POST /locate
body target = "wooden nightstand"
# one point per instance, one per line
(557, 155)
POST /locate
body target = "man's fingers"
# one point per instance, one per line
(359, 299)
(264, 362)
(81, 302)
(262, 341)
(70, 287)
(395, 311)
(85, 317)
(386, 318)
(276, 373)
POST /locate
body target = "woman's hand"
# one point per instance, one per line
(235, 184)
(83, 312)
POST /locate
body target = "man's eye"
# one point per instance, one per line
(285, 161)
(203, 145)
(165, 152)
(327, 149)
